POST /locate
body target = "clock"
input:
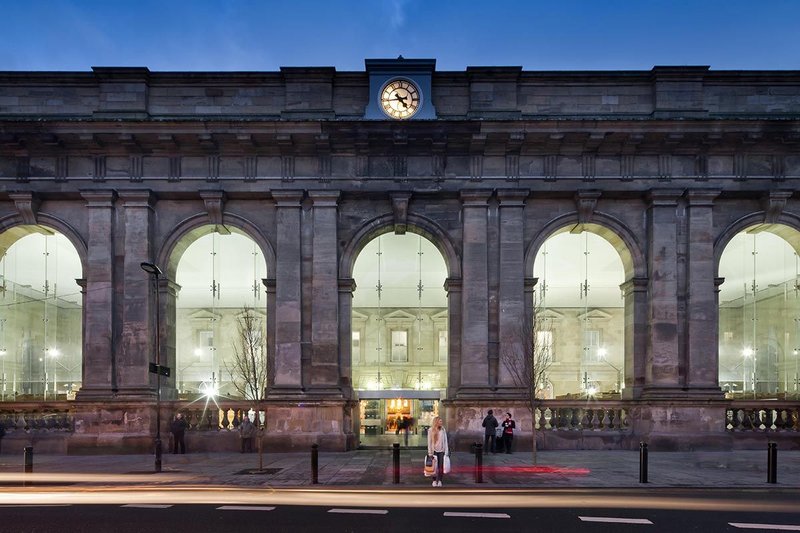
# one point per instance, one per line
(400, 98)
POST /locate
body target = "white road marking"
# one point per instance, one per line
(244, 508)
(611, 520)
(477, 515)
(774, 527)
(358, 511)
(148, 505)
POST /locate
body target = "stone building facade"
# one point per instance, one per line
(666, 165)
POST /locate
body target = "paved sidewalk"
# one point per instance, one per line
(361, 468)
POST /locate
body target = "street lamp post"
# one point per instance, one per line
(153, 270)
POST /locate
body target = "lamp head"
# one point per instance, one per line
(150, 268)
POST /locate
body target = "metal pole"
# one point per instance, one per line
(772, 462)
(642, 462)
(28, 453)
(314, 464)
(396, 462)
(158, 376)
(478, 462)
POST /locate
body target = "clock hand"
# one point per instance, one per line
(401, 99)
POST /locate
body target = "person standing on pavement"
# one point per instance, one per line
(246, 431)
(437, 445)
(490, 424)
(178, 428)
(508, 432)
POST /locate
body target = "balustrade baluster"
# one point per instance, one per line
(605, 422)
(548, 415)
(586, 419)
(575, 419)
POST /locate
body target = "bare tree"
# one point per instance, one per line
(528, 363)
(248, 368)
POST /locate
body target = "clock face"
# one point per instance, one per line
(400, 99)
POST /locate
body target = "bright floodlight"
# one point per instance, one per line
(747, 352)
(602, 352)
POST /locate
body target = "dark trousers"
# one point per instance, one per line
(439, 465)
(507, 442)
(489, 444)
(178, 441)
(247, 444)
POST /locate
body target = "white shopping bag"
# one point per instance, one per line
(446, 464)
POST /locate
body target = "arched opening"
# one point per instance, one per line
(759, 314)
(399, 328)
(220, 281)
(579, 315)
(40, 315)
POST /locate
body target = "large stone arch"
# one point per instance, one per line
(787, 227)
(196, 226)
(606, 226)
(416, 224)
(634, 263)
(13, 228)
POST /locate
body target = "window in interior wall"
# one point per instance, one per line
(544, 343)
(399, 346)
(442, 345)
(591, 345)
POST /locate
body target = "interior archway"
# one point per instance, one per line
(759, 314)
(399, 336)
(41, 315)
(579, 315)
(220, 278)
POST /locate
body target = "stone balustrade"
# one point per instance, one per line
(34, 416)
(765, 416)
(575, 415)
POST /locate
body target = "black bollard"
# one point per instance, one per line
(28, 459)
(642, 462)
(772, 462)
(314, 464)
(478, 463)
(396, 462)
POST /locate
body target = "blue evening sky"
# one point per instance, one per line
(265, 35)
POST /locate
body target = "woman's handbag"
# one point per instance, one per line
(446, 469)
(430, 466)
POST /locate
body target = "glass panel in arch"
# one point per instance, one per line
(400, 307)
(580, 315)
(219, 277)
(40, 316)
(759, 313)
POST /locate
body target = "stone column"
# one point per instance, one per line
(346, 288)
(454, 287)
(511, 319)
(99, 380)
(325, 371)
(288, 378)
(634, 292)
(475, 295)
(138, 312)
(168, 295)
(702, 311)
(269, 284)
(662, 373)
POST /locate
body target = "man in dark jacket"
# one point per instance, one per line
(178, 428)
(490, 423)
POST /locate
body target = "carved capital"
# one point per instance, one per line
(585, 204)
(27, 205)
(634, 285)
(215, 205)
(347, 285)
(774, 203)
(287, 198)
(324, 198)
(400, 211)
(453, 284)
(702, 197)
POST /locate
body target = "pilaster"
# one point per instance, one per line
(511, 318)
(662, 372)
(288, 379)
(324, 295)
(99, 354)
(138, 312)
(702, 331)
(475, 301)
